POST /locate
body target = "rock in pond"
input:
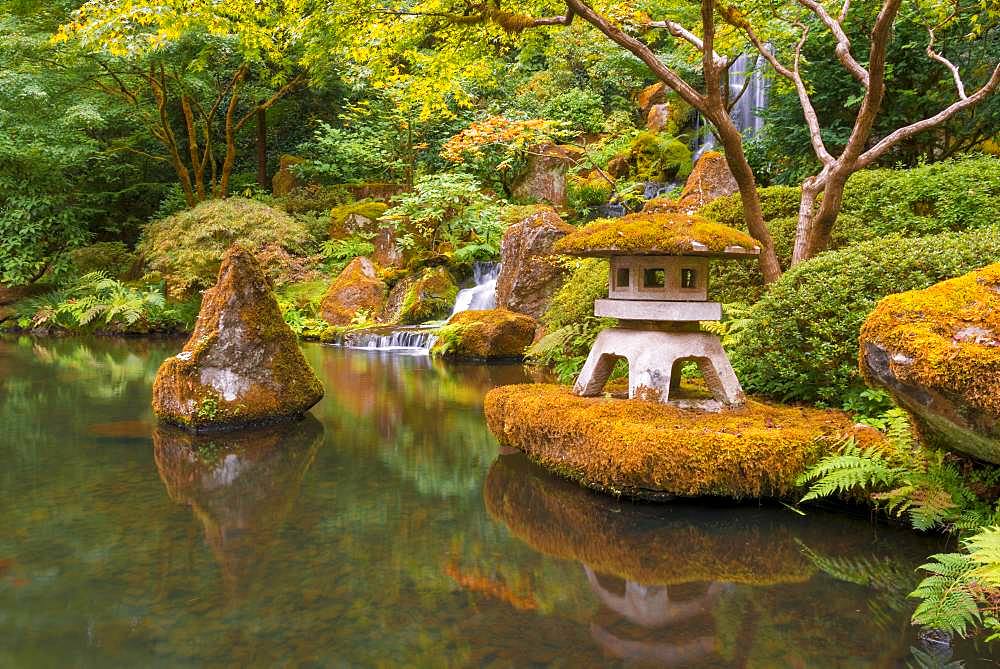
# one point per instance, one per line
(242, 365)
(421, 297)
(653, 451)
(357, 287)
(529, 275)
(488, 334)
(937, 350)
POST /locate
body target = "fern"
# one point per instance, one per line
(851, 469)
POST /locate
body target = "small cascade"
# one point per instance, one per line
(417, 339)
(653, 189)
(483, 295)
(747, 75)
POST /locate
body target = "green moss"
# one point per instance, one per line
(365, 208)
(574, 301)
(644, 233)
(659, 157)
(429, 296)
(583, 192)
(484, 335)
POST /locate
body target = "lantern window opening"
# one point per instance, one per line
(623, 278)
(655, 278)
(689, 278)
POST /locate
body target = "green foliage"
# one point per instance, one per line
(339, 252)
(300, 305)
(98, 302)
(312, 198)
(570, 321)
(801, 343)
(659, 157)
(186, 248)
(111, 258)
(590, 191)
(208, 407)
(448, 210)
(349, 155)
(581, 109)
(851, 469)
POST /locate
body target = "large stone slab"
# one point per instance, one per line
(529, 275)
(242, 365)
(937, 351)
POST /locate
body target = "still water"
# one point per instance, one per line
(387, 530)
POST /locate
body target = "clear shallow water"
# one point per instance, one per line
(388, 531)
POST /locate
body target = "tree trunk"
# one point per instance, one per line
(262, 148)
(732, 142)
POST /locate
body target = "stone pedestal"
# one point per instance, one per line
(654, 358)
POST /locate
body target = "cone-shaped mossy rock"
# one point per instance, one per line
(652, 451)
(488, 334)
(242, 365)
(937, 350)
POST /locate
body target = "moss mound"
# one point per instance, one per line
(648, 450)
(938, 351)
(653, 234)
(417, 299)
(365, 209)
(485, 335)
(563, 520)
(186, 248)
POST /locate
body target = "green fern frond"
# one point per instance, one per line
(851, 469)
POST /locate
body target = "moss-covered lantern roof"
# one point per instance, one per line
(657, 234)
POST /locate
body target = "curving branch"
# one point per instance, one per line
(956, 75)
(680, 32)
(843, 48)
(893, 138)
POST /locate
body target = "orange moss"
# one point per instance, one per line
(565, 521)
(948, 335)
(653, 234)
(664, 205)
(646, 449)
(357, 287)
(492, 333)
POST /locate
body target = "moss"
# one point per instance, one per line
(663, 205)
(365, 208)
(430, 295)
(645, 449)
(583, 192)
(659, 157)
(574, 301)
(355, 289)
(565, 521)
(653, 234)
(950, 337)
(484, 335)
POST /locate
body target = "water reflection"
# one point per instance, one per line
(687, 585)
(240, 486)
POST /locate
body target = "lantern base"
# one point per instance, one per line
(654, 360)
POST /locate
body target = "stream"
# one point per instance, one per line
(387, 529)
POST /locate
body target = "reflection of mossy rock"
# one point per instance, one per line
(651, 450)
(356, 288)
(710, 179)
(656, 234)
(240, 485)
(427, 296)
(529, 275)
(484, 335)
(242, 364)
(937, 351)
(561, 519)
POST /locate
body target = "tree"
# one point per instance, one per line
(453, 28)
(210, 68)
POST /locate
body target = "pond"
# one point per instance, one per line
(388, 530)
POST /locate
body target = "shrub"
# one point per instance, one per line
(186, 248)
(582, 110)
(800, 342)
(111, 258)
(950, 195)
(583, 192)
(312, 198)
(659, 157)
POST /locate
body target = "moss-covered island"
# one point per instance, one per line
(653, 451)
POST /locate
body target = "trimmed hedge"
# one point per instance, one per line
(800, 342)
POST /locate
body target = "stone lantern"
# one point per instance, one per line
(658, 291)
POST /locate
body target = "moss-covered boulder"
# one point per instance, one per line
(426, 296)
(654, 451)
(485, 335)
(710, 179)
(544, 177)
(356, 218)
(529, 273)
(242, 365)
(357, 288)
(937, 351)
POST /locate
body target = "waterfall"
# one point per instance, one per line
(483, 295)
(746, 71)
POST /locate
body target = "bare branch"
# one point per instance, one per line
(680, 32)
(843, 48)
(947, 63)
(906, 132)
(844, 10)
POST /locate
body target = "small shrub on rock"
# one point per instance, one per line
(186, 248)
(800, 342)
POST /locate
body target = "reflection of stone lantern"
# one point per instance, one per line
(658, 291)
